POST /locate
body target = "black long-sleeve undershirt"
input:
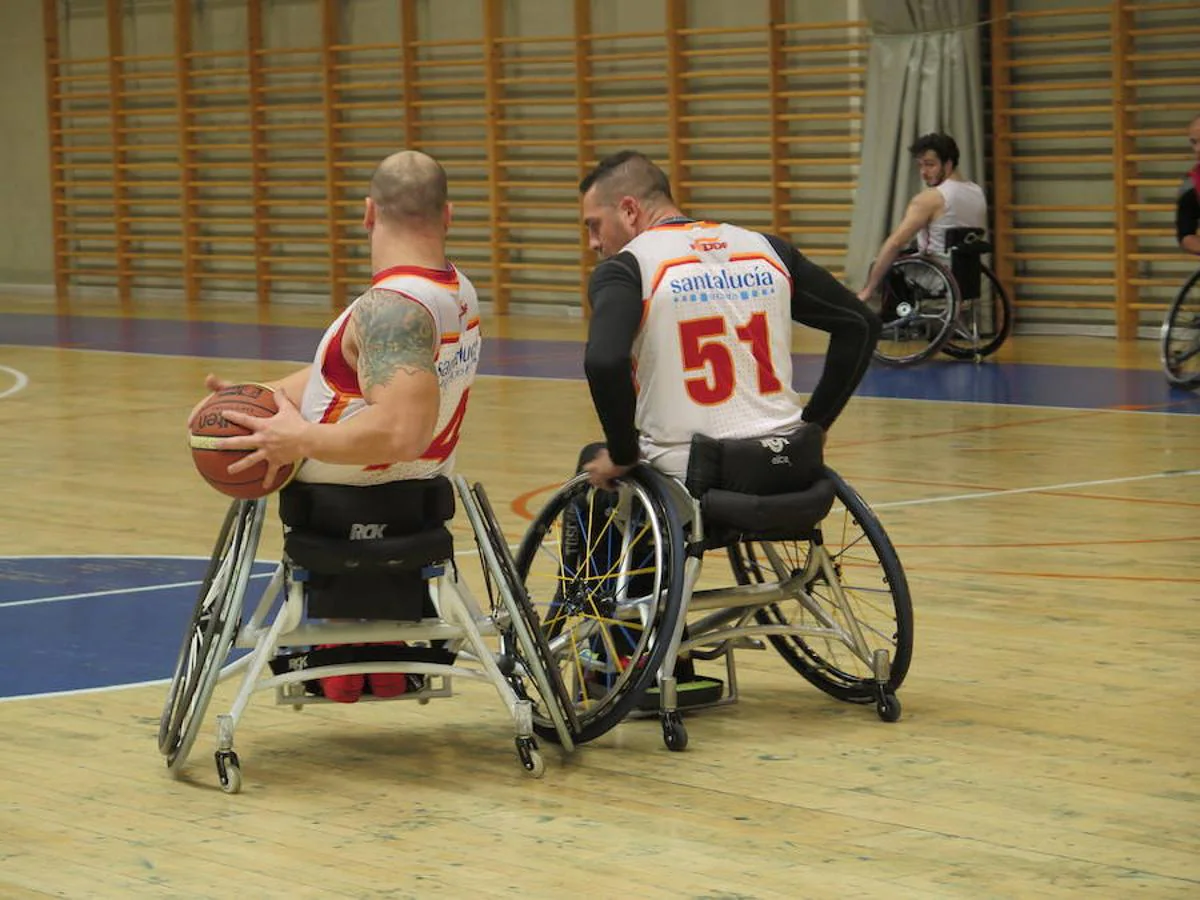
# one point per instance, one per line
(818, 300)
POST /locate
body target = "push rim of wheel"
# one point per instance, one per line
(915, 326)
(872, 582)
(1179, 349)
(602, 573)
(983, 324)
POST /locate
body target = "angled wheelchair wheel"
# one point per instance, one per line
(522, 639)
(844, 622)
(604, 571)
(211, 631)
(983, 323)
(1180, 341)
(918, 305)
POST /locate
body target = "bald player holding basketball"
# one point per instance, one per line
(692, 324)
(385, 396)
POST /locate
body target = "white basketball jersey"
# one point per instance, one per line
(333, 393)
(713, 355)
(965, 206)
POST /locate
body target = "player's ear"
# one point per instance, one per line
(368, 213)
(448, 216)
(629, 209)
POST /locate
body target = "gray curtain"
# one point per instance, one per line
(922, 76)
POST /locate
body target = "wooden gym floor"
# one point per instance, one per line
(1046, 508)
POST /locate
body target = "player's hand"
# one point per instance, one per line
(212, 384)
(602, 471)
(865, 295)
(276, 440)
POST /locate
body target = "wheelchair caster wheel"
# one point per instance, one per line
(229, 771)
(675, 735)
(888, 707)
(531, 759)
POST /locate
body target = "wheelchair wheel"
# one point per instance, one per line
(870, 600)
(210, 634)
(983, 324)
(1180, 351)
(919, 303)
(604, 571)
(523, 641)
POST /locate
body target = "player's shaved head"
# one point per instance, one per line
(628, 174)
(409, 186)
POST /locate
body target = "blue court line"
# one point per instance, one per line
(1020, 384)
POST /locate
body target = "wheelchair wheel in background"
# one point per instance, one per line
(983, 323)
(211, 631)
(918, 305)
(604, 571)
(876, 601)
(1180, 342)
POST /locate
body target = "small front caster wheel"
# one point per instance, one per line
(229, 771)
(888, 707)
(675, 735)
(531, 759)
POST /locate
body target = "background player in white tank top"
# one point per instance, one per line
(948, 201)
(387, 392)
(691, 326)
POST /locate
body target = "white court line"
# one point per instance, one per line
(96, 690)
(979, 495)
(21, 378)
(130, 590)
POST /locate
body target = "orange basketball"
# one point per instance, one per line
(209, 428)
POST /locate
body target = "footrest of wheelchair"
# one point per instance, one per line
(702, 691)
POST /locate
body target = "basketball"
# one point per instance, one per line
(209, 428)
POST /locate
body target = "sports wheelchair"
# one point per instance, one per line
(1180, 341)
(613, 576)
(388, 600)
(927, 306)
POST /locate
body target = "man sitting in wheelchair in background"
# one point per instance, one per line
(949, 201)
(691, 334)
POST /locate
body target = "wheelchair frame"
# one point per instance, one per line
(1174, 322)
(217, 629)
(734, 616)
(954, 336)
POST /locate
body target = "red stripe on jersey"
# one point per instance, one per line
(677, 226)
(472, 323)
(336, 407)
(340, 375)
(447, 276)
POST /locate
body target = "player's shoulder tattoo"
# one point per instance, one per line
(395, 334)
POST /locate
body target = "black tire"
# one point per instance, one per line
(917, 324)
(574, 567)
(211, 632)
(1179, 349)
(995, 322)
(856, 542)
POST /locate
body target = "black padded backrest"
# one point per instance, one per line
(758, 466)
(966, 246)
(350, 512)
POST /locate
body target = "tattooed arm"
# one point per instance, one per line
(391, 342)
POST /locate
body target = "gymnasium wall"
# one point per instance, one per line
(279, 109)
(1088, 101)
